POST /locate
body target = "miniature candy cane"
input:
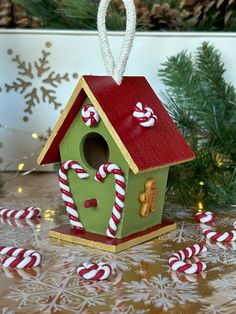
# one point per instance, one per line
(66, 192)
(220, 236)
(205, 217)
(19, 258)
(120, 195)
(26, 213)
(93, 271)
(90, 115)
(176, 261)
(144, 115)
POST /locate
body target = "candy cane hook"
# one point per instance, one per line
(116, 70)
(120, 195)
(66, 192)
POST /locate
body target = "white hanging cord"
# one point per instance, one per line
(116, 70)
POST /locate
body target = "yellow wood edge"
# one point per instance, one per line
(110, 247)
(60, 122)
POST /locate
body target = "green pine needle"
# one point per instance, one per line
(203, 105)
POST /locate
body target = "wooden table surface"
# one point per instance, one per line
(143, 282)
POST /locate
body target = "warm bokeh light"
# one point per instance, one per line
(35, 136)
(201, 183)
(200, 206)
(19, 189)
(21, 166)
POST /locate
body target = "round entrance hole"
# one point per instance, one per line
(96, 150)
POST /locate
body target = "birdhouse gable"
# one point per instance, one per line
(141, 128)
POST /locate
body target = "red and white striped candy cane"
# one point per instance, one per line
(220, 236)
(205, 217)
(93, 271)
(26, 213)
(176, 261)
(66, 192)
(19, 258)
(120, 195)
(90, 115)
(144, 115)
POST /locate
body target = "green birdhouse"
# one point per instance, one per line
(116, 144)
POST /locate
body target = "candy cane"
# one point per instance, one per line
(220, 236)
(144, 115)
(26, 213)
(66, 192)
(90, 115)
(93, 271)
(19, 258)
(120, 195)
(205, 217)
(176, 261)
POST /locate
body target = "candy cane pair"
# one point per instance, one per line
(101, 174)
(19, 258)
(26, 213)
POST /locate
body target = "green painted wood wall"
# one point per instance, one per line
(96, 219)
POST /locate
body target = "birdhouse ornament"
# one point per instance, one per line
(115, 142)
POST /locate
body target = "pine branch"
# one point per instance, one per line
(203, 106)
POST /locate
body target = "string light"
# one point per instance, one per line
(19, 190)
(200, 206)
(21, 166)
(35, 136)
(201, 183)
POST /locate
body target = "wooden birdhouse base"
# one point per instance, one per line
(66, 233)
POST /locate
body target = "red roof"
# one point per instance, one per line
(148, 148)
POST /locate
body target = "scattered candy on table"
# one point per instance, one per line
(220, 236)
(177, 260)
(205, 217)
(93, 271)
(19, 258)
(26, 213)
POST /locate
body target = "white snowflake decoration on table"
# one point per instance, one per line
(225, 285)
(65, 292)
(185, 232)
(215, 309)
(161, 292)
(40, 71)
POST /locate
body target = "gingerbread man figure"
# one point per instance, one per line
(148, 198)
